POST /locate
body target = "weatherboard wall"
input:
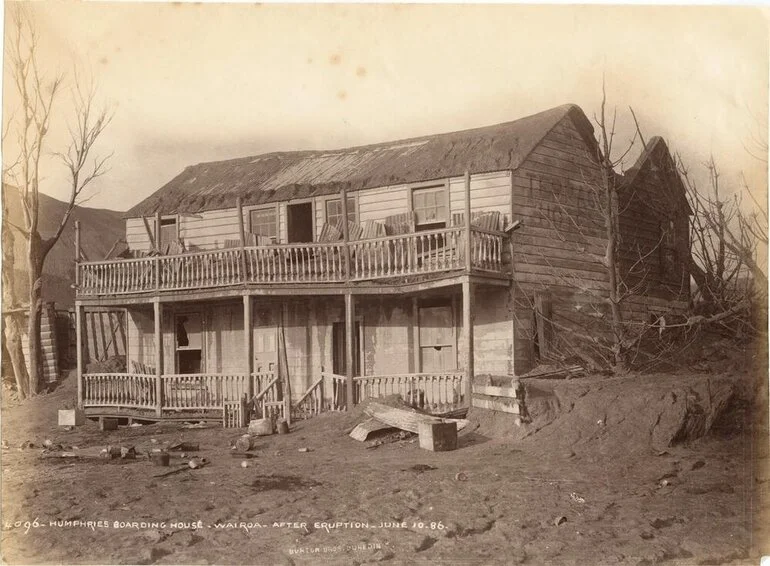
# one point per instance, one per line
(211, 229)
(560, 246)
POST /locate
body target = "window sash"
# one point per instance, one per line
(334, 210)
(264, 222)
(429, 205)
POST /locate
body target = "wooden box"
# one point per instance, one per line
(438, 437)
(71, 417)
(108, 423)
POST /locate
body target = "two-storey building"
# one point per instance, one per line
(317, 277)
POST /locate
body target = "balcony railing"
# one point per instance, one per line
(375, 259)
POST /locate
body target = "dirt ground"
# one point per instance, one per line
(591, 480)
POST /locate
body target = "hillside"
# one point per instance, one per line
(100, 229)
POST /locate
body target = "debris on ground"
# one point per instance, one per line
(576, 498)
(184, 447)
(196, 463)
(261, 427)
(160, 458)
(419, 468)
(304, 450)
(461, 476)
(245, 443)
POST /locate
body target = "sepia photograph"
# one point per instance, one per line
(414, 284)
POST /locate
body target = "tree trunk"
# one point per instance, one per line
(13, 343)
(35, 360)
(612, 231)
(14, 334)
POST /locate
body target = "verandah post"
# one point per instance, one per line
(158, 357)
(242, 234)
(248, 345)
(345, 231)
(468, 262)
(468, 328)
(77, 255)
(79, 349)
(158, 248)
(349, 330)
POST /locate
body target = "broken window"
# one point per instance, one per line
(188, 343)
(263, 222)
(334, 210)
(430, 207)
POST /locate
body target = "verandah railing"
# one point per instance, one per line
(372, 259)
(433, 392)
(179, 392)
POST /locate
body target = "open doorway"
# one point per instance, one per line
(299, 222)
(339, 365)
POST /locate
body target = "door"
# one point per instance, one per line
(265, 349)
(437, 339)
(299, 219)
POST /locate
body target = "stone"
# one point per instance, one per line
(261, 427)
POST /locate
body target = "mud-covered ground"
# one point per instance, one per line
(586, 485)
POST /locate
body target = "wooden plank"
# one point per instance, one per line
(366, 428)
(406, 419)
(496, 405)
(494, 391)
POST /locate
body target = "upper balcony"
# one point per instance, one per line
(385, 259)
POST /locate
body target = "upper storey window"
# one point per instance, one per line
(430, 207)
(263, 222)
(334, 210)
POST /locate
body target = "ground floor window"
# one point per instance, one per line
(189, 353)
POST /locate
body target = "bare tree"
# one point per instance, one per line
(26, 133)
(606, 328)
(731, 280)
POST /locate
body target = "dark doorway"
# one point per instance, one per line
(299, 218)
(338, 346)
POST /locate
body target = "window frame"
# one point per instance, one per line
(266, 209)
(439, 186)
(332, 198)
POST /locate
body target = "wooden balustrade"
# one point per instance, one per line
(215, 268)
(201, 391)
(487, 250)
(433, 392)
(334, 388)
(116, 277)
(311, 403)
(296, 263)
(407, 254)
(372, 259)
(119, 390)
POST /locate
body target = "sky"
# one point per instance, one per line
(190, 83)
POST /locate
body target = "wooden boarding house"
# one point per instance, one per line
(312, 280)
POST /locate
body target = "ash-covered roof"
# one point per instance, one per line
(282, 176)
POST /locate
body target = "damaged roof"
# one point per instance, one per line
(657, 165)
(282, 176)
